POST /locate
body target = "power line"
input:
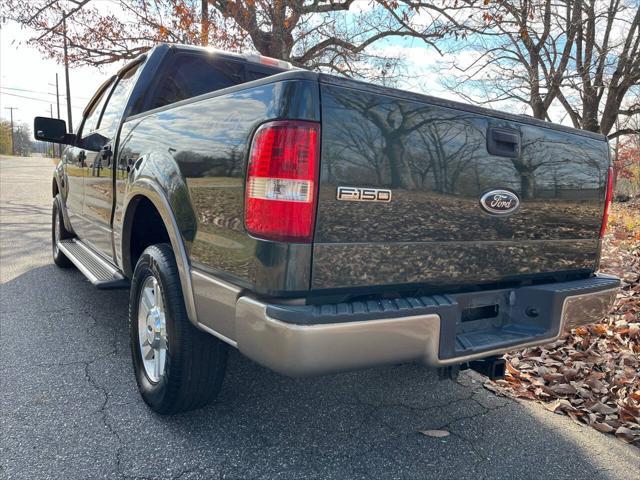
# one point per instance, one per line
(32, 98)
(38, 92)
(25, 90)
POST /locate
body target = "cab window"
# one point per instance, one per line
(192, 75)
(117, 102)
(92, 118)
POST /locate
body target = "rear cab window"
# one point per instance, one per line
(189, 74)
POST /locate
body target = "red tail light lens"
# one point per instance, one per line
(607, 202)
(282, 178)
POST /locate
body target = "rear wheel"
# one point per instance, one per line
(58, 233)
(177, 366)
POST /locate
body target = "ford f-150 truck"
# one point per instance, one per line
(320, 224)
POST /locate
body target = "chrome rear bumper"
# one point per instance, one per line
(317, 347)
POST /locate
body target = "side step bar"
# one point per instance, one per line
(97, 270)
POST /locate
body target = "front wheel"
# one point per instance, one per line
(58, 233)
(177, 367)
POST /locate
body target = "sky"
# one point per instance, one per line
(27, 80)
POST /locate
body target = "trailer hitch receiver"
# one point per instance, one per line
(492, 367)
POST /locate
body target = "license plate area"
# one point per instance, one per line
(484, 321)
(484, 312)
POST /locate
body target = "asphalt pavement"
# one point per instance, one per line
(69, 407)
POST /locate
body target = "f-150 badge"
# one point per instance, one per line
(499, 202)
(358, 194)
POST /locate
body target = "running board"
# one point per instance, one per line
(98, 271)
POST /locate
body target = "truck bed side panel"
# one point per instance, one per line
(199, 149)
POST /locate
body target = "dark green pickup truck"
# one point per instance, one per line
(320, 224)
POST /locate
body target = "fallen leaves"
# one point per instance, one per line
(564, 389)
(592, 375)
(435, 433)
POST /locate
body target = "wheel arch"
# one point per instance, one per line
(146, 194)
(55, 188)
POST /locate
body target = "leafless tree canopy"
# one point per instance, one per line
(577, 56)
(583, 54)
(334, 35)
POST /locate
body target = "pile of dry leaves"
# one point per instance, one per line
(593, 374)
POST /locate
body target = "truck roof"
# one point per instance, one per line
(290, 72)
(245, 56)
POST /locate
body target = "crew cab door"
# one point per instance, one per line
(75, 158)
(99, 168)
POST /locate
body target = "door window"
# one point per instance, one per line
(93, 116)
(117, 102)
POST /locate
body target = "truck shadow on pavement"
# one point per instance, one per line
(70, 409)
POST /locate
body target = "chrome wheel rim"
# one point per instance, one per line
(152, 329)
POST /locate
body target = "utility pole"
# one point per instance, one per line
(57, 97)
(57, 148)
(66, 70)
(52, 145)
(58, 104)
(13, 143)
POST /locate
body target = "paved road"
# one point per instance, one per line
(70, 409)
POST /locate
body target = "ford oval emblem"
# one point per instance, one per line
(499, 202)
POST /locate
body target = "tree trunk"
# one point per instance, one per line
(538, 109)
(204, 23)
(400, 174)
(527, 185)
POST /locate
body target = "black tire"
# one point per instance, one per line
(59, 258)
(195, 361)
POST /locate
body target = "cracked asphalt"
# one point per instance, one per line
(69, 407)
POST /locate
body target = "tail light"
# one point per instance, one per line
(272, 62)
(607, 202)
(282, 178)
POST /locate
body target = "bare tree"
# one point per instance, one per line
(448, 146)
(607, 65)
(360, 146)
(319, 34)
(584, 54)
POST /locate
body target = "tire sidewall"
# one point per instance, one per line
(59, 258)
(195, 361)
(153, 393)
(55, 217)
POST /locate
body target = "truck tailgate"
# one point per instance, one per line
(434, 158)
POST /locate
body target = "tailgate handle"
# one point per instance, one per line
(504, 142)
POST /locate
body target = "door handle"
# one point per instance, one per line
(138, 163)
(503, 141)
(106, 152)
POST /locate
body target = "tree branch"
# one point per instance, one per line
(624, 131)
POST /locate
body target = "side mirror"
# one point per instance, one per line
(52, 130)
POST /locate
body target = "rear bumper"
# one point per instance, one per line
(310, 340)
